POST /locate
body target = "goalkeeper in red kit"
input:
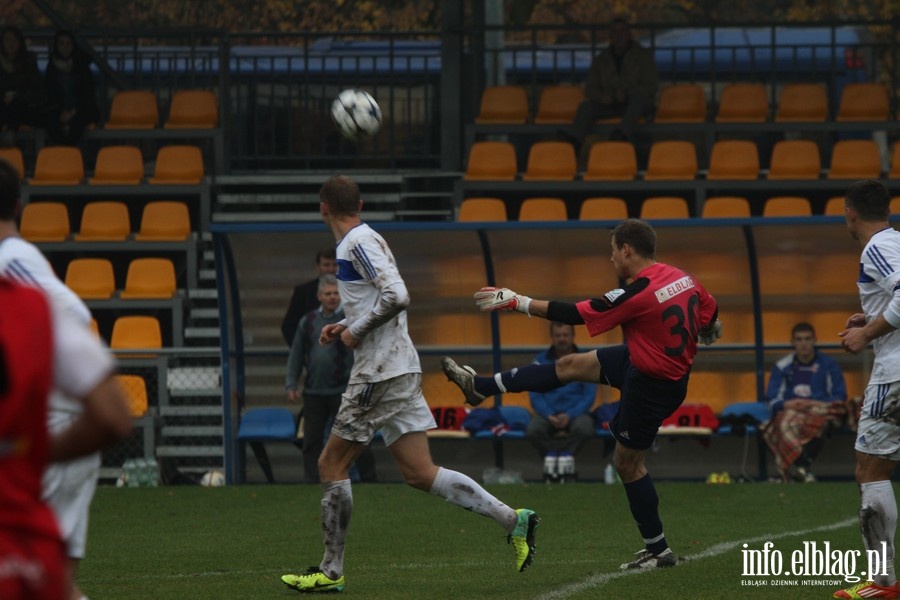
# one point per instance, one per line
(663, 312)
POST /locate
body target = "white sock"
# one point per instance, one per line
(463, 491)
(337, 506)
(878, 522)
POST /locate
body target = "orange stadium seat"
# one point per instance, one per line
(795, 159)
(13, 156)
(118, 165)
(491, 161)
(671, 160)
(104, 220)
(558, 104)
(178, 165)
(133, 109)
(503, 104)
(45, 222)
(855, 159)
(150, 278)
(743, 103)
(681, 103)
(482, 209)
(611, 161)
(864, 102)
(91, 278)
(603, 209)
(665, 207)
(164, 221)
(787, 206)
(802, 102)
(193, 109)
(58, 165)
(543, 209)
(551, 161)
(719, 207)
(733, 159)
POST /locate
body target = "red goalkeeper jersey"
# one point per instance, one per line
(26, 373)
(660, 312)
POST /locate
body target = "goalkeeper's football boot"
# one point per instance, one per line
(522, 537)
(869, 589)
(464, 378)
(645, 559)
(314, 580)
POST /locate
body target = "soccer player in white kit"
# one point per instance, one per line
(384, 393)
(867, 210)
(68, 486)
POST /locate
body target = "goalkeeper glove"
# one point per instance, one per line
(709, 334)
(489, 299)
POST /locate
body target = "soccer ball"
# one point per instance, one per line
(214, 478)
(356, 114)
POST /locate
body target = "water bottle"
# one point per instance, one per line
(551, 472)
(566, 467)
(609, 475)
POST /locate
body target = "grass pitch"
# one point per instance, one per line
(220, 543)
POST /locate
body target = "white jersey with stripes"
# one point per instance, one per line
(374, 298)
(879, 283)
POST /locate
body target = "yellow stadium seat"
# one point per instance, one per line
(118, 165)
(178, 165)
(719, 207)
(665, 207)
(58, 165)
(681, 103)
(787, 206)
(864, 102)
(733, 159)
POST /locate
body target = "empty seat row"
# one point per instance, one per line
(658, 207)
(686, 103)
(139, 109)
(115, 165)
(729, 159)
(147, 278)
(162, 220)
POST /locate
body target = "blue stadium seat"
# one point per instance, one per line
(259, 425)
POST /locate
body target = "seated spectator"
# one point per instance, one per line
(562, 423)
(22, 94)
(70, 86)
(806, 393)
(622, 82)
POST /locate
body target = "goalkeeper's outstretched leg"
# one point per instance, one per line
(582, 366)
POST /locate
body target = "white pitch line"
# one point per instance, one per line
(595, 581)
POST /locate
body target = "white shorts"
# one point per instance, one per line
(395, 406)
(68, 488)
(879, 422)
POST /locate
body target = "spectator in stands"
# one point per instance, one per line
(562, 423)
(70, 88)
(867, 212)
(327, 372)
(305, 295)
(806, 393)
(622, 82)
(22, 93)
(87, 408)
